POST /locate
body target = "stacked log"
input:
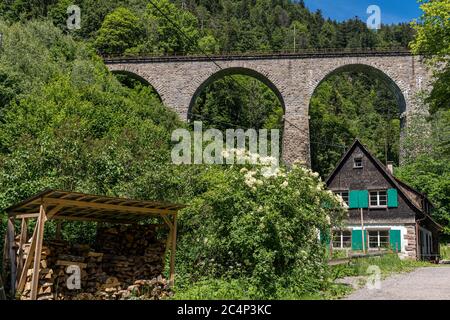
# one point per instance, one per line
(46, 278)
(155, 289)
(125, 240)
(124, 257)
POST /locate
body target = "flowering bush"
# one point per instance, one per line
(260, 223)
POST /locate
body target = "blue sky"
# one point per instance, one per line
(392, 11)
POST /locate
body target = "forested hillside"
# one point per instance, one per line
(345, 107)
(66, 122)
(217, 26)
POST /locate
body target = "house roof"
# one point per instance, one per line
(413, 197)
(65, 205)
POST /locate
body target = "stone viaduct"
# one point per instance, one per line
(293, 78)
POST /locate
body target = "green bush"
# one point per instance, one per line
(259, 225)
(445, 252)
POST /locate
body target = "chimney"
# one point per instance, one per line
(390, 167)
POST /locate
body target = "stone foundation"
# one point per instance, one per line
(411, 242)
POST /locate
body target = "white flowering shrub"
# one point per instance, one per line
(260, 223)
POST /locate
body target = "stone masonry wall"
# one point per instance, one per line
(294, 80)
(411, 244)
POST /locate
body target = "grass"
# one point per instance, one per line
(215, 289)
(242, 289)
(445, 252)
(388, 264)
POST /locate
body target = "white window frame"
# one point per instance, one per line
(340, 192)
(378, 239)
(378, 205)
(358, 159)
(341, 240)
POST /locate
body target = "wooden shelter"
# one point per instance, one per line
(71, 206)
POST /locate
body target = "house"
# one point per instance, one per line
(392, 214)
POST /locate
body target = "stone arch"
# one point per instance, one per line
(396, 86)
(137, 77)
(236, 71)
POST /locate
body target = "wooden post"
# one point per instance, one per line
(58, 230)
(168, 242)
(5, 255)
(23, 240)
(2, 289)
(37, 253)
(362, 231)
(27, 264)
(172, 251)
(12, 254)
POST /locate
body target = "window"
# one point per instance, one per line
(342, 239)
(343, 194)
(378, 198)
(378, 239)
(358, 163)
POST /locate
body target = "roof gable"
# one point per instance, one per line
(357, 145)
(412, 197)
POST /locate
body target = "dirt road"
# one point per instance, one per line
(421, 284)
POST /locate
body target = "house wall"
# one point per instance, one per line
(401, 218)
(408, 237)
(370, 178)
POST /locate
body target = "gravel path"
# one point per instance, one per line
(422, 284)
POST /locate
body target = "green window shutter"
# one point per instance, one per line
(395, 237)
(392, 198)
(357, 240)
(354, 199)
(363, 199)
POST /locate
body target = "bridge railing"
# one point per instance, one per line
(264, 53)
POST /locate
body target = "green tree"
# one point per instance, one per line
(299, 35)
(209, 44)
(176, 28)
(353, 105)
(120, 31)
(433, 40)
(237, 101)
(327, 36)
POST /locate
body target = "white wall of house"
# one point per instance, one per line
(403, 231)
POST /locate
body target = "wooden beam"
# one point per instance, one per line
(23, 240)
(172, 251)
(53, 212)
(64, 218)
(12, 254)
(166, 219)
(104, 206)
(24, 215)
(37, 253)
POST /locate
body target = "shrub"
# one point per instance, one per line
(258, 224)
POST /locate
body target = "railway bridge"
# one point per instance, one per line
(293, 77)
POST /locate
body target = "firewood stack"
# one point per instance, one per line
(155, 289)
(125, 257)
